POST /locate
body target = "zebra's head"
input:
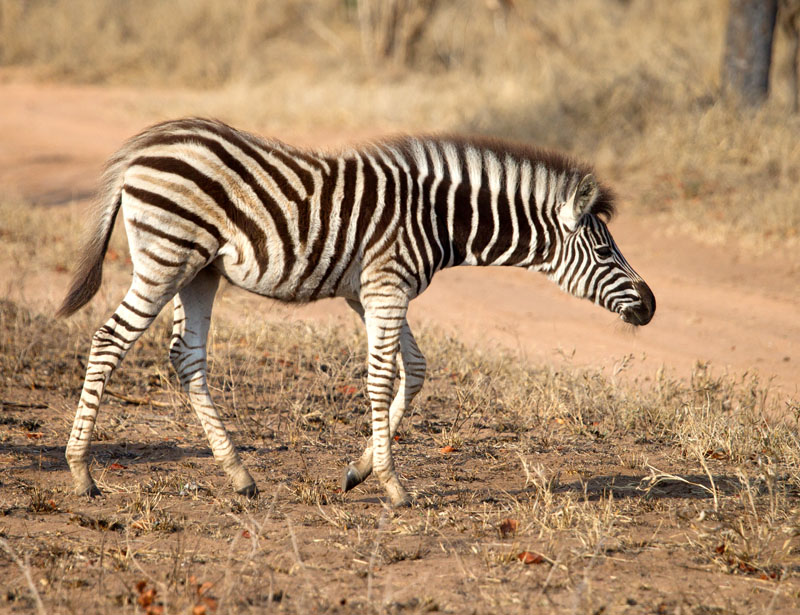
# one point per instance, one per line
(590, 265)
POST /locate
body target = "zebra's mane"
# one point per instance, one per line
(604, 205)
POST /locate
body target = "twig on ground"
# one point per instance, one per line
(657, 476)
(21, 406)
(139, 401)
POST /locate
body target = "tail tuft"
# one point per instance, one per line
(85, 285)
(89, 274)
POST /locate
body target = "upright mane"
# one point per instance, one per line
(604, 205)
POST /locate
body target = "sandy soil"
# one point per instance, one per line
(721, 304)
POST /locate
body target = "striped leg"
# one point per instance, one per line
(110, 343)
(384, 317)
(412, 376)
(193, 305)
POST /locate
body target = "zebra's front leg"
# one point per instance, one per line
(411, 365)
(384, 320)
(192, 319)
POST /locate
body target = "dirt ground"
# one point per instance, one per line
(168, 535)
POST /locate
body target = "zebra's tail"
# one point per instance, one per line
(89, 273)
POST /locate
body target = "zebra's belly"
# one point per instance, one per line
(305, 280)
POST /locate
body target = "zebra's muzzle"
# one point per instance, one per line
(640, 313)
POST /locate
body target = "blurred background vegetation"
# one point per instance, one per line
(631, 85)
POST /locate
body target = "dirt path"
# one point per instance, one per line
(718, 304)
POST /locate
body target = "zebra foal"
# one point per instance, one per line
(201, 200)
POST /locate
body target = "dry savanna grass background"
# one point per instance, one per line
(538, 486)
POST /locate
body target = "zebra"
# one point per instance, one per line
(372, 224)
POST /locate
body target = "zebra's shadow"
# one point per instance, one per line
(52, 459)
(598, 488)
(620, 486)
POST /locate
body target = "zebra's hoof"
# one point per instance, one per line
(89, 490)
(404, 501)
(250, 490)
(351, 479)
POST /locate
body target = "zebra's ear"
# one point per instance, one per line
(579, 202)
(585, 194)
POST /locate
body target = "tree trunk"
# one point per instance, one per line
(789, 20)
(748, 50)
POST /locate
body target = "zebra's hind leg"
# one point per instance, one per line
(110, 343)
(193, 305)
(411, 365)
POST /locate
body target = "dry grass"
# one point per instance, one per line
(645, 108)
(595, 481)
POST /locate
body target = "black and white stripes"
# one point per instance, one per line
(373, 225)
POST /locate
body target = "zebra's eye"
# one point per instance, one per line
(603, 251)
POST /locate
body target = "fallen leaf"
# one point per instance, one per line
(245, 534)
(210, 602)
(447, 449)
(155, 609)
(146, 598)
(117, 466)
(204, 587)
(526, 557)
(140, 586)
(348, 389)
(508, 527)
(200, 609)
(34, 435)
